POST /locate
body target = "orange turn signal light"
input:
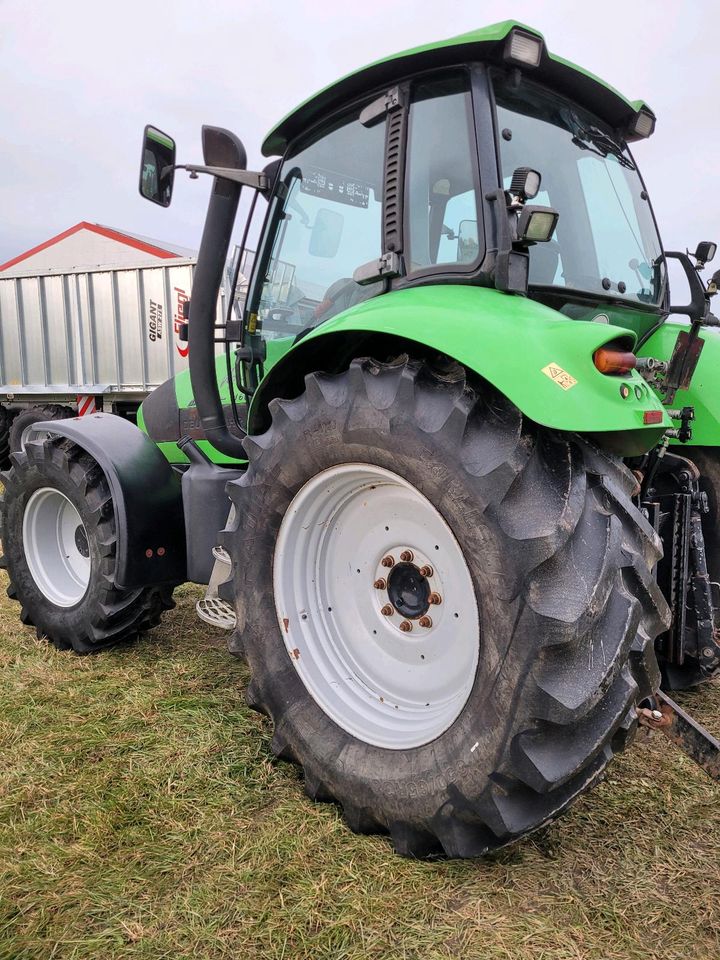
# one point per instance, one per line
(610, 360)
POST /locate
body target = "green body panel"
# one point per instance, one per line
(185, 400)
(639, 321)
(704, 392)
(483, 44)
(509, 341)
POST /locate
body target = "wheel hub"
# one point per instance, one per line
(409, 591)
(81, 541)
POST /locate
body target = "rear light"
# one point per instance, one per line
(614, 362)
(653, 416)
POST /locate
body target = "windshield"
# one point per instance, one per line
(606, 242)
(325, 221)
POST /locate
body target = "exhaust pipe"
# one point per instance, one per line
(221, 148)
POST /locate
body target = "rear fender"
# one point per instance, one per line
(146, 496)
(538, 358)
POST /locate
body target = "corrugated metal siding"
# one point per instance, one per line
(93, 331)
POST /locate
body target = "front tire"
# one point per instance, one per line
(545, 560)
(21, 430)
(6, 419)
(58, 529)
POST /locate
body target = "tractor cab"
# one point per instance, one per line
(482, 161)
(414, 187)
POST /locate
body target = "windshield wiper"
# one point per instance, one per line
(592, 138)
(601, 144)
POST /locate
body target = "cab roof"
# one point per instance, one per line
(486, 44)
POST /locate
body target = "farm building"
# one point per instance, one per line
(87, 246)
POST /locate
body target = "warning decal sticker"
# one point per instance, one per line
(561, 377)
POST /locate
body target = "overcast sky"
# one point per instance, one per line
(79, 79)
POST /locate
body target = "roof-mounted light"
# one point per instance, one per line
(523, 49)
(643, 124)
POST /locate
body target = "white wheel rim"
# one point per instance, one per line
(30, 433)
(55, 542)
(387, 687)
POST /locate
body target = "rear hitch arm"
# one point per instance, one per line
(679, 727)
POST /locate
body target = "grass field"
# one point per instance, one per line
(142, 816)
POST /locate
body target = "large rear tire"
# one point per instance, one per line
(59, 540)
(463, 735)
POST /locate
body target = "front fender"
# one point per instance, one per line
(704, 392)
(538, 358)
(146, 497)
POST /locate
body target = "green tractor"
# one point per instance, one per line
(449, 468)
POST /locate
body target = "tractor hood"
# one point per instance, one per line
(489, 44)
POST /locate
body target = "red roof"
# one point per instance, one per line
(93, 228)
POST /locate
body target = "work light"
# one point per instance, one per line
(643, 123)
(523, 49)
(537, 224)
(525, 183)
(705, 252)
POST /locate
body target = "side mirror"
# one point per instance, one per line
(326, 233)
(157, 166)
(704, 252)
(468, 243)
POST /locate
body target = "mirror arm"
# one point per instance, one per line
(699, 301)
(257, 181)
(511, 267)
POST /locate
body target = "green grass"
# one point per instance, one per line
(141, 815)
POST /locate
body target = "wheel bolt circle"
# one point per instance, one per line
(435, 598)
(380, 584)
(407, 556)
(388, 561)
(387, 610)
(406, 626)
(426, 571)
(425, 621)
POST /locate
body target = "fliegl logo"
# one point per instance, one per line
(181, 298)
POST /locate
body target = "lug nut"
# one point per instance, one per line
(407, 556)
(426, 571)
(380, 584)
(388, 561)
(435, 598)
(406, 626)
(387, 610)
(425, 621)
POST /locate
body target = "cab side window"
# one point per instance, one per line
(441, 199)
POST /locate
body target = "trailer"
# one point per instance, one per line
(90, 340)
